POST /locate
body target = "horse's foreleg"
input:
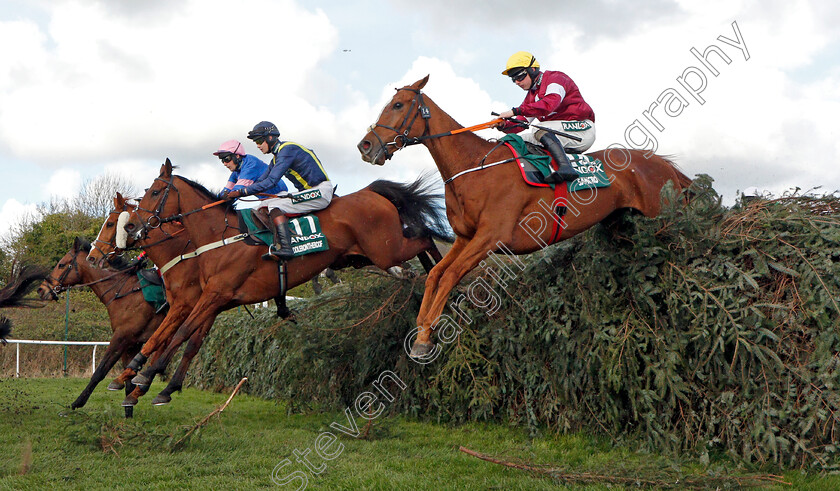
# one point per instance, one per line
(159, 339)
(433, 279)
(109, 359)
(468, 257)
(206, 308)
(175, 384)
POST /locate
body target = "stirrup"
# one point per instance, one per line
(277, 254)
(563, 174)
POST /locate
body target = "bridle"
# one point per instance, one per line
(57, 284)
(401, 138)
(154, 220)
(112, 244)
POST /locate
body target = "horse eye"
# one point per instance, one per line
(398, 105)
(155, 192)
(109, 224)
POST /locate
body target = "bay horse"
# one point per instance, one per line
(181, 281)
(489, 206)
(132, 318)
(14, 292)
(384, 224)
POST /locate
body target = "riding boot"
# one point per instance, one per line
(564, 171)
(281, 249)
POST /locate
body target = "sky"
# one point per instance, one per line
(747, 92)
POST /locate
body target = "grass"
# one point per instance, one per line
(44, 445)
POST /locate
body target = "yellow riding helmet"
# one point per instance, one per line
(521, 59)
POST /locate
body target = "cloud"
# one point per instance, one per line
(64, 183)
(615, 20)
(12, 214)
(144, 87)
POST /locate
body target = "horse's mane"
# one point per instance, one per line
(200, 189)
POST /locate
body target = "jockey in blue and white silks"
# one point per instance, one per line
(298, 164)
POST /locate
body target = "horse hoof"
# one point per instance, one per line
(129, 401)
(116, 385)
(161, 399)
(421, 350)
(141, 380)
(76, 405)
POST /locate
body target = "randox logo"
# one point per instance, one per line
(575, 126)
(296, 239)
(307, 196)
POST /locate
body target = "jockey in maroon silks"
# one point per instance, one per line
(554, 99)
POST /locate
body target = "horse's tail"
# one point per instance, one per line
(26, 280)
(683, 181)
(420, 208)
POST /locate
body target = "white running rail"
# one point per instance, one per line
(19, 342)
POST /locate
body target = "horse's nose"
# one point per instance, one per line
(364, 147)
(44, 292)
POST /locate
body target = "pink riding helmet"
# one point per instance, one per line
(230, 146)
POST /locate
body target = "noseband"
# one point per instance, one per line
(401, 138)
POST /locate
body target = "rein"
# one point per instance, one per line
(401, 139)
(158, 221)
(60, 288)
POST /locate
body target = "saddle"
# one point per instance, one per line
(535, 165)
(151, 276)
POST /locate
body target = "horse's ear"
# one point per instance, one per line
(119, 202)
(166, 168)
(77, 244)
(421, 83)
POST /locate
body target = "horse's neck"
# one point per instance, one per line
(210, 225)
(101, 281)
(456, 153)
(165, 249)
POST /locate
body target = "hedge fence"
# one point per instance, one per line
(705, 330)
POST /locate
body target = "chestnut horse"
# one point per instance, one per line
(133, 319)
(489, 205)
(384, 225)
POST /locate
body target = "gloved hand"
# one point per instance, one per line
(234, 194)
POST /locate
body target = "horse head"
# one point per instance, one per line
(104, 248)
(66, 273)
(154, 209)
(398, 124)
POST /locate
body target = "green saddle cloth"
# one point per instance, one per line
(590, 170)
(305, 232)
(154, 294)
